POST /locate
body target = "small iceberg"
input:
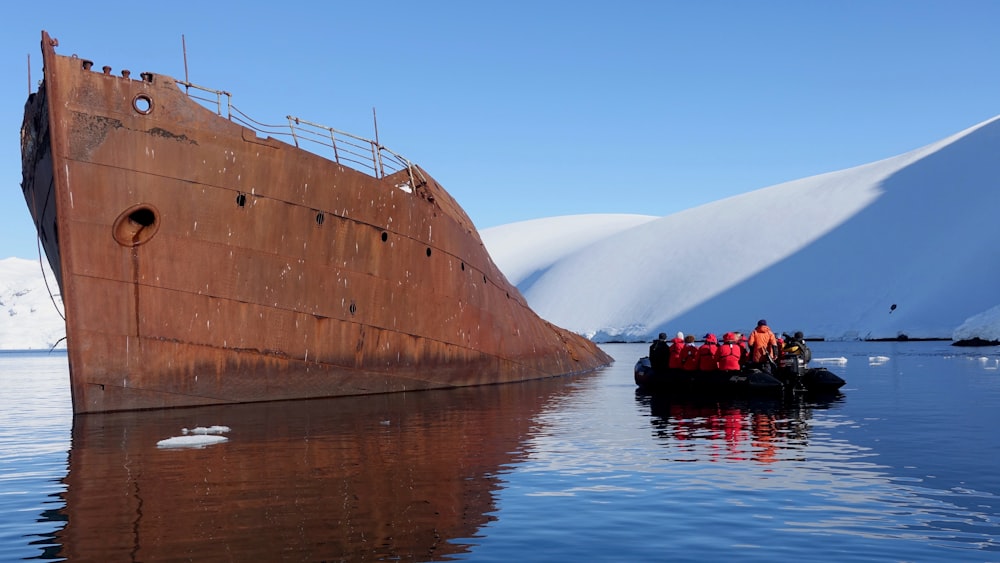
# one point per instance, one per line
(875, 361)
(840, 361)
(198, 437)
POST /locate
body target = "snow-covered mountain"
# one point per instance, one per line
(903, 246)
(900, 246)
(30, 316)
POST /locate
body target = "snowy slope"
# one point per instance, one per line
(828, 255)
(29, 318)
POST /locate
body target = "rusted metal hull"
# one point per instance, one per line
(202, 264)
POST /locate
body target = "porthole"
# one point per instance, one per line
(428, 252)
(142, 104)
(136, 225)
(320, 218)
(353, 308)
(241, 199)
(385, 236)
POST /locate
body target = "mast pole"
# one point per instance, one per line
(185, 51)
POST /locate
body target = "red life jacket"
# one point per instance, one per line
(728, 356)
(676, 354)
(690, 357)
(706, 357)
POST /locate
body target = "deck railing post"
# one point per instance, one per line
(333, 143)
(292, 121)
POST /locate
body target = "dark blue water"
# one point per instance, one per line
(901, 467)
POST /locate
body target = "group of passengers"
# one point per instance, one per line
(760, 350)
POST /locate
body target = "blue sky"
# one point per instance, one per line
(536, 109)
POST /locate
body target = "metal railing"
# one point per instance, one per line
(363, 155)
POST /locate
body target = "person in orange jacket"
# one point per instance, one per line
(706, 354)
(763, 346)
(727, 355)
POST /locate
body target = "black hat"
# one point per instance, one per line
(761, 322)
(663, 336)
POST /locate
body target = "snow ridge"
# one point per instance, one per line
(829, 255)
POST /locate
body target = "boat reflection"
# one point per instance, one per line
(763, 430)
(400, 476)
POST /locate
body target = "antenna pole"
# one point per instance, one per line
(378, 146)
(29, 74)
(184, 48)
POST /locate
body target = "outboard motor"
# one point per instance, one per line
(793, 365)
(792, 369)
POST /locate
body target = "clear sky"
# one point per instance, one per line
(528, 109)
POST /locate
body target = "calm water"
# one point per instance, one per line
(901, 467)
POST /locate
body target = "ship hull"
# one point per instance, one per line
(200, 263)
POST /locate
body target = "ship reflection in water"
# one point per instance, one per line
(763, 430)
(398, 476)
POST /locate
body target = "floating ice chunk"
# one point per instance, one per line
(194, 441)
(877, 360)
(841, 361)
(198, 437)
(207, 430)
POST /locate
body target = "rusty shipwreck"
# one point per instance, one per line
(204, 258)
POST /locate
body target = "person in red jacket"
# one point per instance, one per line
(741, 340)
(677, 352)
(706, 354)
(763, 346)
(690, 353)
(727, 356)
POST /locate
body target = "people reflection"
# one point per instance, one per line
(759, 431)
